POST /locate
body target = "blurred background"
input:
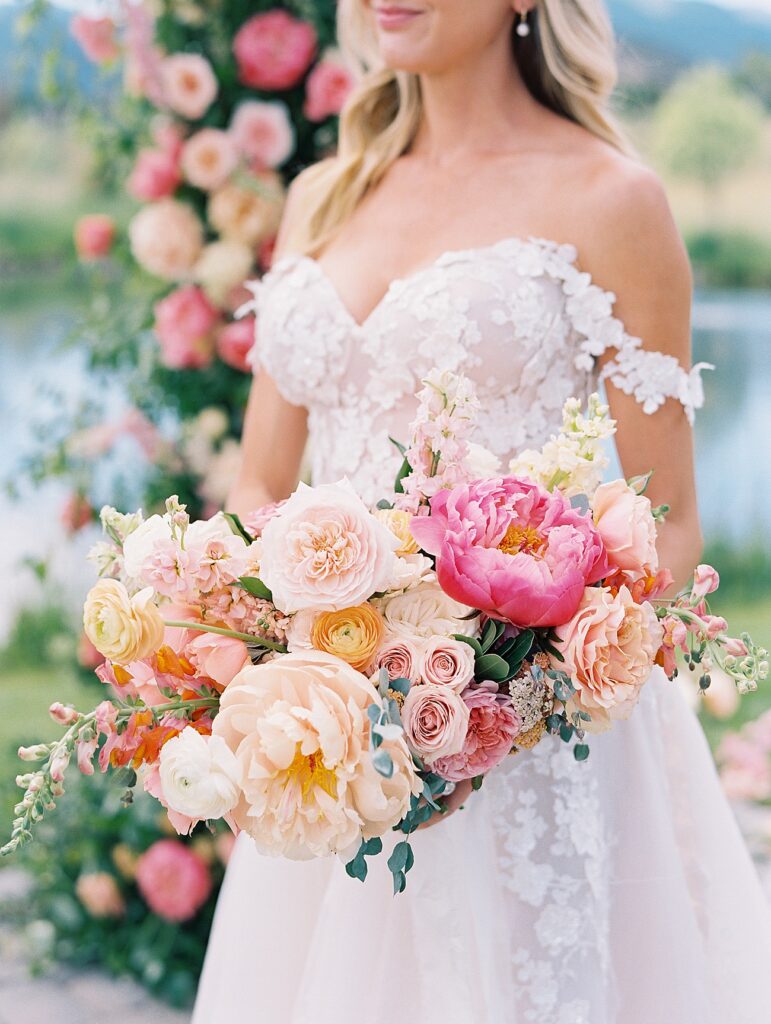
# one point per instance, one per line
(121, 384)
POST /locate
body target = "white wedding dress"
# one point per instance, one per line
(616, 891)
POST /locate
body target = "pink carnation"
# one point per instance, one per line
(184, 324)
(234, 343)
(96, 37)
(273, 50)
(173, 880)
(511, 549)
(327, 89)
(94, 236)
(155, 175)
(263, 132)
(492, 728)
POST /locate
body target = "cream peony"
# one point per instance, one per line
(122, 628)
(221, 267)
(166, 239)
(199, 775)
(425, 611)
(325, 550)
(299, 729)
(609, 648)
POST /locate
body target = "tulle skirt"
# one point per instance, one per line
(615, 891)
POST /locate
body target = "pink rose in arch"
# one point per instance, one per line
(511, 549)
(155, 175)
(234, 343)
(273, 50)
(184, 324)
(96, 37)
(94, 236)
(327, 89)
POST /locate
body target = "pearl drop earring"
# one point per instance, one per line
(523, 28)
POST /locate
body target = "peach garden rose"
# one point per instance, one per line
(624, 521)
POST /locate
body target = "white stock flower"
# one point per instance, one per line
(480, 462)
(199, 775)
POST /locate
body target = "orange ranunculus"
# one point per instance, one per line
(351, 634)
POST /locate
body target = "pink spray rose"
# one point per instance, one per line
(400, 657)
(184, 325)
(262, 132)
(94, 236)
(173, 880)
(234, 343)
(511, 549)
(273, 50)
(492, 728)
(218, 657)
(188, 83)
(209, 158)
(435, 721)
(99, 893)
(96, 37)
(155, 175)
(327, 89)
(626, 525)
(609, 648)
(447, 662)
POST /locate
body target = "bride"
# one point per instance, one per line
(616, 891)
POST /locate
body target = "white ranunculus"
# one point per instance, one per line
(325, 550)
(199, 775)
(481, 462)
(425, 611)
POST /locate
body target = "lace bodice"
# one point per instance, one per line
(518, 317)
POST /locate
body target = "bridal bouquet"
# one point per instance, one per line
(321, 673)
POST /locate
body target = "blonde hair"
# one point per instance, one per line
(567, 63)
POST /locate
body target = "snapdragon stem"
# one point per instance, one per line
(248, 638)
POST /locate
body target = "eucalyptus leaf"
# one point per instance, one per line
(383, 763)
(399, 857)
(581, 751)
(401, 685)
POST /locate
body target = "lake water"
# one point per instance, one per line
(733, 432)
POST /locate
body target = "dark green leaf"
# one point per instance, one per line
(471, 641)
(237, 526)
(566, 732)
(522, 645)
(581, 751)
(397, 444)
(490, 666)
(256, 587)
(383, 763)
(404, 471)
(399, 857)
(373, 846)
(476, 782)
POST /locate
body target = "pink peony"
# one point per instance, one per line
(263, 133)
(173, 880)
(96, 37)
(218, 657)
(166, 239)
(155, 175)
(509, 548)
(273, 50)
(99, 893)
(234, 343)
(209, 158)
(400, 657)
(435, 720)
(705, 581)
(94, 236)
(609, 648)
(447, 662)
(184, 325)
(188, 83)
(628, 530)
(492, 728)
(327, 89)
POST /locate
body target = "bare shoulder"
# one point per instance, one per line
(296, 204)
(627, 235)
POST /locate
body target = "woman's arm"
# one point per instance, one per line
(634, 250)
(275, 431)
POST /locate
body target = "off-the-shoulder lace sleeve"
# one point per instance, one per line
(252, 308)
(651, 377)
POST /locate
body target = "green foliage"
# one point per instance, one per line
(730, 259)
(754, 76)
(93, 832)
(705, 129)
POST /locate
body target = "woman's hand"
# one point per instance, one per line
(452, 803)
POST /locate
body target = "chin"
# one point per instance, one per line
(404, 31)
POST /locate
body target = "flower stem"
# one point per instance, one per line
(248, 638)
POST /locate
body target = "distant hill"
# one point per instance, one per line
(658, 38)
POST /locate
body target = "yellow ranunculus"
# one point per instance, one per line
(398, 522)
(122, 628)
(351, 634)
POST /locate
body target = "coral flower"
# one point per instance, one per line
(510, 548)
(353, 634)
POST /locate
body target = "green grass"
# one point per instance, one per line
(25, 696)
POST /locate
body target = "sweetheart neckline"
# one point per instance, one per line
(567, 251)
